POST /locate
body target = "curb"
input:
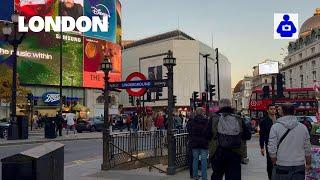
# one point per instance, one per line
(47, 140)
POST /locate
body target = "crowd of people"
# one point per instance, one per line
(220, 137)
(286, 143)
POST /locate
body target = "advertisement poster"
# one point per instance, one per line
(155, 73)
(29, 8)
(39, 58)
(102, 8)
(119, 28)
(5, 13)
(73, 8)
(94, 52)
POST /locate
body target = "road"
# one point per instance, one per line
(73, 152)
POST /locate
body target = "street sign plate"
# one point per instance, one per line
(132, 88)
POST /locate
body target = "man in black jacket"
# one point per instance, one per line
(265, 127)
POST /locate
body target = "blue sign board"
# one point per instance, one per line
(51, 98)
(7, 8)
(139, 84)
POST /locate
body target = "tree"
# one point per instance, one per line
(6, 85)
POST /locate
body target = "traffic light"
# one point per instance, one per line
(195, 95)
(158, 95)
(280, 85)
(138, 102)
(212, 91)
(30, 97)
(149, 96)
(174, 99)
(131, 100)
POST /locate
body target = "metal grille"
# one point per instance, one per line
(181, 149)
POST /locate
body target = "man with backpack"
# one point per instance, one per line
(289, 147)
(229, 132)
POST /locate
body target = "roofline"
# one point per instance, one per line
(159, 37)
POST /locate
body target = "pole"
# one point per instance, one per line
(206, 84)
(217, 57)
(106, 126)
(61, 43)
(14, 85)
(171, 149)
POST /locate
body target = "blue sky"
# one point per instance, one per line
(242, 30)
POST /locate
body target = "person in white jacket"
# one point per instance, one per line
(292, 156)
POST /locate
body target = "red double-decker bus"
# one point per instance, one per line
(303, 99)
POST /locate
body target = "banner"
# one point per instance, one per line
(29, 8)
(102, 8)
(5, 13)
(95, 51)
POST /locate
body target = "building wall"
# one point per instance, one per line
(189, 73)
(302, 67)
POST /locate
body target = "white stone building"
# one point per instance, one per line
(146, 56)
(302, 65)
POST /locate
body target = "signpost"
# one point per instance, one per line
(137, 85)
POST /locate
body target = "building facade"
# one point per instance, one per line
(302, 65)
(241, 95)
(258, 81)
(146, 56)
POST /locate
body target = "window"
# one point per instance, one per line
(314, 75)
(290, 82)
(301, 68)
(300, 56)
(313, 64)
(301, 81)
(265, 81)
(290, 72)
(289, 60)
(313, 49)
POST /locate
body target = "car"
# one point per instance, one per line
(4, 130)
(91, 124)
(312, 119)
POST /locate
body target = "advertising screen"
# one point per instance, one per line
(95, 51)
(102, 8)
(5, 13)
(39, 53)
(270, 67)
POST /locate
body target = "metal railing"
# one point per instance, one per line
(130, 147)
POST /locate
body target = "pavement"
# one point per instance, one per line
(38, 137)
(90, 169)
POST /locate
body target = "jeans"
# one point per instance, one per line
(226, 162)
(288, 172)
(204, 155)
(269, 164)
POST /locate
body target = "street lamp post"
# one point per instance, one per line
(106, 67)
(13, 37)
(170, 62)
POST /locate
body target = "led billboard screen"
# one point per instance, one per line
(270, 67)
(39, 53)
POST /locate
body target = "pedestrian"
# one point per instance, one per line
(265, 126)
(200, 133)
(70, 123)
(177, 122)
(289, 147)
(189, 149)
(229, 132)
(59, 122)
(135, 122)
(159, 121)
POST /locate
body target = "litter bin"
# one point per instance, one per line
(18, 128)
(50, 128)
(42, 162)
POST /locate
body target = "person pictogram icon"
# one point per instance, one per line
(286, 27)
